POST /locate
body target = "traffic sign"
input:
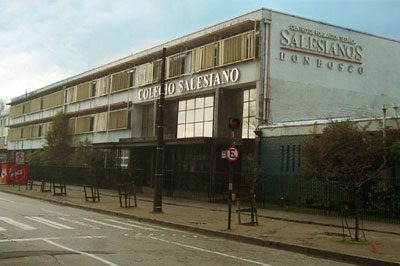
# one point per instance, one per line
(19, 157)
(232, 154)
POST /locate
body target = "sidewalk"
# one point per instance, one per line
(304, 233)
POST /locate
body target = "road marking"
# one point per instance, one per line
(106, 224)
(133, 225)
(2, 229)
(80, 252)
(7, 200)
(210, 251)
(48, 222)
(17, 224)
(78, 222)
(58, 213)
(158, 227)
(49, 238)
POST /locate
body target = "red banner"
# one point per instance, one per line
(14, 173)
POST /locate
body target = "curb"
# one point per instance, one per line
(260, 215)
(341, 257)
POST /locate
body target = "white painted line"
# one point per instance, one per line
(106, 224)
(81, 252)
(49, 238)
(210, 251)
(7, 200)
(48, 222)
(58, 213)
(133, 225)
(78, 222)
(17, 224)
(159, 227)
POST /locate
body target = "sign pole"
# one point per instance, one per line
(232, 155)
(230, 177)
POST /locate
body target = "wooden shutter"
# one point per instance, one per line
(36, 105)
(82, 124)
(120, 81)
(101, 122)
(83, 91)
(118, 119)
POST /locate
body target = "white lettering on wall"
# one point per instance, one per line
(226, 76)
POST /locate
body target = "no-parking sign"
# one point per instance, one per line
(232, 154)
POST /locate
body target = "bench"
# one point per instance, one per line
(29, 185)
(252, 209)
(91, 193)
(45, 186)
(125, 192)
(59, 188)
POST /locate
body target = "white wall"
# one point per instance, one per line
(300, 91)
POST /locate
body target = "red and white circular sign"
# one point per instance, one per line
(232, 154)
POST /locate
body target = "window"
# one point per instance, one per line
(100, 121)
(176, 66)
(53, 100)
(196, 117)
(148, 120)
(157, 70)
(144, 74)
(290, 158)
(120, 81)
(94, 89)
(249, 122)
(124, 158)
(205, 57)
(83, 124)
(118, 119)
(83, 91)
(91, 127)
(36, 105)
(103, 85)
(237, 48)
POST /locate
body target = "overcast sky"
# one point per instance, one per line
(44, 41)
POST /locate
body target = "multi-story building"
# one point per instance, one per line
(4, 117)
(264, 67)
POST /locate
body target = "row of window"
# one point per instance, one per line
(28, 132)
(100, 122)
(219, 53)
(50, 101)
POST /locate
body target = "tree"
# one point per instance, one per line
(57, 150)
(347, 157)
(84, 154)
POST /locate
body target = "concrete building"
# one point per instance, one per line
(264, 67)
(4, 118)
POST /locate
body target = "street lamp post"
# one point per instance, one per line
(157, 203)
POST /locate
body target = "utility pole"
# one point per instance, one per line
(384, 133)
(157, 202)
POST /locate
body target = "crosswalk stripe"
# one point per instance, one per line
(78, 222)
(132, 225)
(17, 224)
(106, 224)
(48, 222)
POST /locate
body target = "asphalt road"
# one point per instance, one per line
(34, 232)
